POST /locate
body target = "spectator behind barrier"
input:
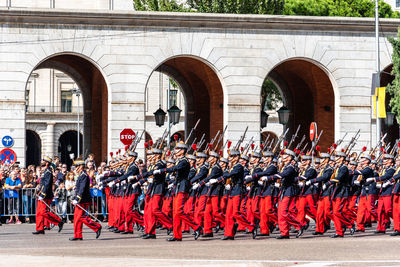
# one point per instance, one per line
(12, 186)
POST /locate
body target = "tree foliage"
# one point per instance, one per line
(394, 87)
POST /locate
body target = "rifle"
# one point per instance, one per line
(280, 140)
(212, 141)
(160, 142)
(136, 142)
(191, 146)
(248, 145)
(352, 142)
(270, 144)
(201, 142)
(191, 131)
(315, 143)
(294, 137)
(301, 142)
(378, 145)
(265, 142)
(241, 139)
(221, 137)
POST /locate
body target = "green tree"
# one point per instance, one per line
(394, 87)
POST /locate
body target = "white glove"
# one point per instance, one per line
(371, 179)
(110, 184)
(170, 186)
(357, 182)
(117, 185)
(301, 184)
(105, 173)
(302, 178)
(324, 187)
(386, 184)
(228, 187)
(135, 185)
(101, 187)
(378, 186)
(172, 177)
(131, 178)
(74, 202)
(315, 184)
(213, 181)
(40, 198)
(150, 180)
(308, 183)
(195, 186)
(264, 178)
(208, 184)
(248, 188)
(248, 177)
(277, 185)
(156, 172)
(260, 182)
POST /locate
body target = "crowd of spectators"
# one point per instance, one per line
(18, 197)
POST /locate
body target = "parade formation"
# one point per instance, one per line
(273, 187)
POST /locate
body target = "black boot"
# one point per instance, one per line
(173, 239)
(208, 235)
(149, 236)
(395, 233)
(228, 238)
(98, 232)
(41, 232)
(197, 233)
(283, 237)
(336, 236)
(60, 226)
(74, 239)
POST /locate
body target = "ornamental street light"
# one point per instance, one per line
(389, 119)
(283, 114)
(159, 116)
(174, 113)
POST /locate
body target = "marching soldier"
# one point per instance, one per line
(45, 197)
(81, 203)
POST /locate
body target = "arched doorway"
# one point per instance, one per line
(68, 145)
(94, 99)
(202, 92)
(33, 152)
(307, 91)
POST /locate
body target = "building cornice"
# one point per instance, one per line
(136, 19)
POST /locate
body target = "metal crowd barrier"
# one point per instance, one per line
(23, 204)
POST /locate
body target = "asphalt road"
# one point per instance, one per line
(19, 247)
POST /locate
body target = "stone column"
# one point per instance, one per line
(50, 139)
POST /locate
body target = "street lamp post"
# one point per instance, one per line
(77, 92)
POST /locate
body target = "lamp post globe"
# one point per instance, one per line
(159, 116)
(174, 113)
(283, 114)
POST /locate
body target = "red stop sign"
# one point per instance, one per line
(127, 136)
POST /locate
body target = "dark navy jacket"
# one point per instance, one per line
(386, 175)
(324, 176)
(46, 184)
(310, 173)
(288, 180)
(395, 179)
(214, 173)
(200, 175)
(181, 169)
(236, 174)
(342, 181)
(82, 188)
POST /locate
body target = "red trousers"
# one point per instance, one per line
(179, 215)
(43, 213)
(324, 214)
(131, 215)
(255, 208)
(157, 215)
(243, 210)
(372, 209)
(362, 213)
(212, 213)
(305, 205)
(189, 209)
(167, 206)
(146, 212)
(120, 214)
(352, 208)
(267, 214)
(81, 218)
(341, 214)
(108, 199)
(111, 211)
(199, 209)
(384, 212)
(286, 216)
(396, 212)
(233, 214)
(223, 203)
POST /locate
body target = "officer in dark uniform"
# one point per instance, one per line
(44, 199)
(81, 203)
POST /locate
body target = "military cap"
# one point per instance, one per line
(306, 157)
(192, 157)
(366, 156)
(201, 155)
(47, 159)
(352, 162)
(245, 157)
(340, 154)
(388, 156)
(256, 155)
(275, 160)
(373, 161)
(317, 160)
(132, 154)
(234, 153)
(171, 161)
(157, 151)
(290, 153)
(224, 160)
(149, 152)
(181, 146)
(268, 154)
(261, 161)
(79, 162)
(347, 159)
(325, 156)
(332, 158)
(214, 154)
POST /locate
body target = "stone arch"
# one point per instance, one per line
(203, 91)
(95, 97)
(33, 152)
(306, 83)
